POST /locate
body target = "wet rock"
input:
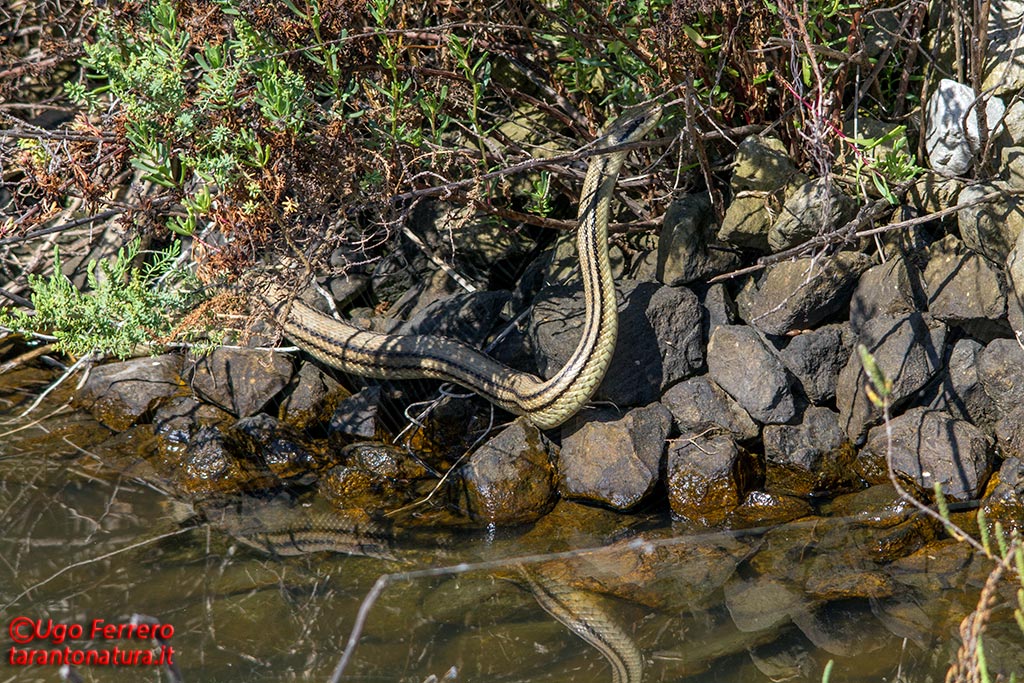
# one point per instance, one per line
(743, 365)
(950, 151)
(908, 349)
(241, 380)
(787, 658)
(990, 229)
(613, 461)
(699, 405)
(383, 460)
(179, 419)
(659, 339)
(280, 448)
(687, 232)
(963, 288)
(844, 629)
(761, 602)
(761, 508)
(814, 208)
(815, 359)
(809, 457)
(510, 480)
(960, 392)
(312, 399)
(891, 289)
(357, 416)
(707, 478)
(468, 317)
(930, 446)
(210, 466)
(120, 394)
(801, 293)
(1004, 498)
(885, 527)
(1001, 372)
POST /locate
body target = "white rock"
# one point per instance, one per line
(949, 151)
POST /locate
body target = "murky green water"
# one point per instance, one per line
(82, 541)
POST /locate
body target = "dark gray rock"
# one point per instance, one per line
(383, 460)
(1015, 289)
(357, 416)
(177, 421)
(990, 229)
(930, 446)
(707, 478)
(119, 394)
(699, 405)
(1001, 372)
(798, 294)
(687, 232)
(719, 307)
(280, 448)
(892, 289)
(239, 380)
(509, 480)
(468, 317)
(763, 508)
(816, 357)
(211, 465)
(312, 398)
(809, 457)
(960, 392)
(814, 208)
(1009, 432)
(659, 338)
(610, 460)
(909, 350)
(748, 370)
(963, 288)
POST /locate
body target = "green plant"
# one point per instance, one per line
(123, 307)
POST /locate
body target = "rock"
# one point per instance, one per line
(683, 248)
(239, 380)
(280, 448)
(949, 151)
(1004, 499)
(960, 392)
(893, 288)
(885, 527)
(313, 398)
(991, 228)
(816, 207)
(963, 289)
(699, 405)
(1012, 166)
(719, 308)
(808, 458)
(659, 338)
(509, 480)
(357, 416)
(210, 466)
(749, 217)
(761, 509)
(120, 394)
(1004, 64)
(467, 316)
(761, 164)
(931, 193)
(1009, 431)
(615, 462)
(383, 460)
(930, 446)
(815, 359)
(178, 420)
(707, 477)
(1001, 372)
(375, 477)
(1015, 281)
(908, 349)
(743, 365)
(798, 294)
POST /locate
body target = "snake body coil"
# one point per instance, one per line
(546, 403)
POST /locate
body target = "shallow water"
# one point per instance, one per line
(82, 541)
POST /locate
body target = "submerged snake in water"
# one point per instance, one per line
(545, 403)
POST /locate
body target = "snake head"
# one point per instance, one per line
(632, 125)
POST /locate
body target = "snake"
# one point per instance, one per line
(547, 403)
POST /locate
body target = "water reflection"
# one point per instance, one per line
(257, 590)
